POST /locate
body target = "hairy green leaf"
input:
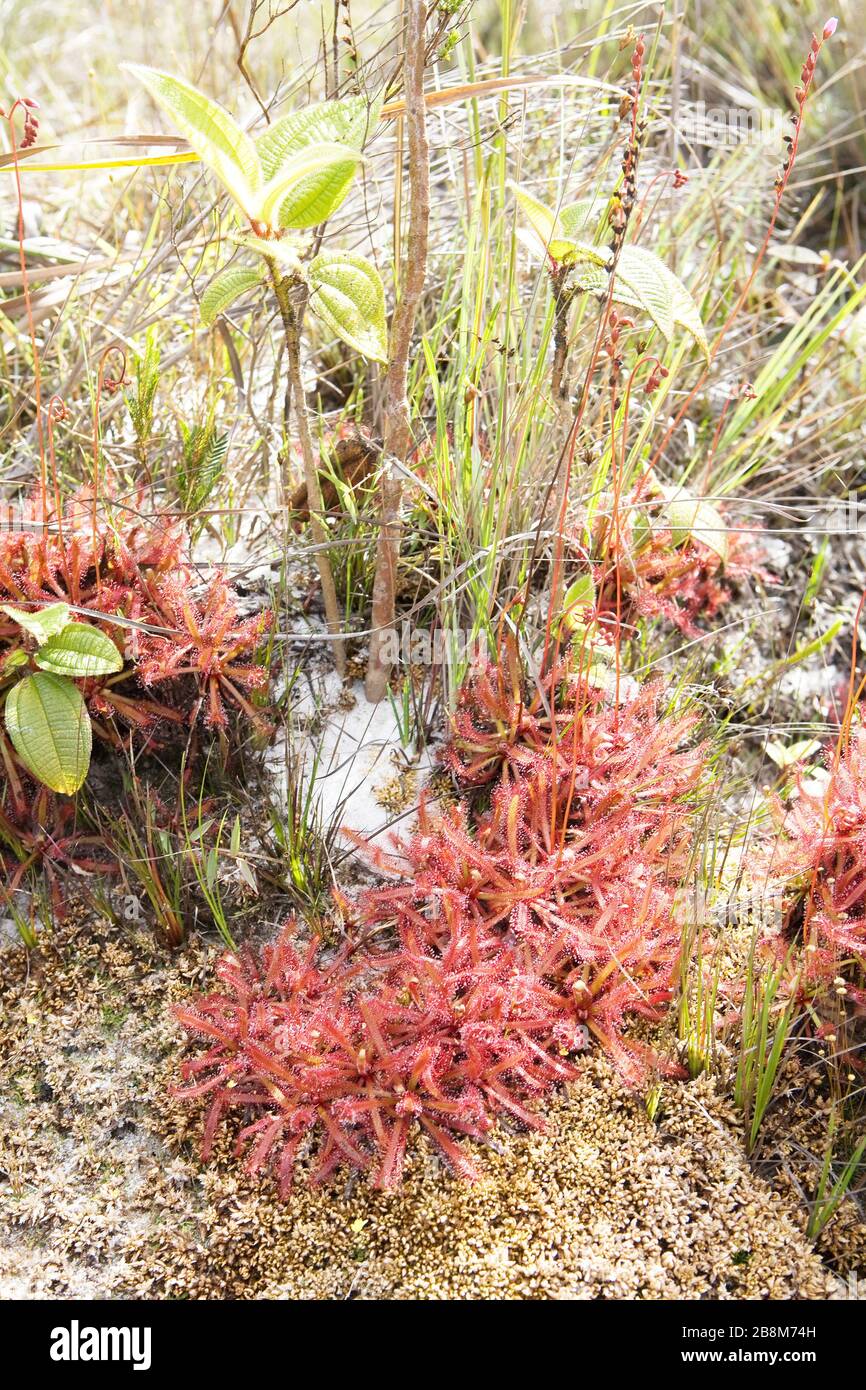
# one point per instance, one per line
(346, 292)
(318, 178)
(281, 250)
(641, 281)
(646, 278)
(546, 225)
(581, 218)
(346, 122)
(659, 293)
(50, 730)
(222, 292)
(214, 135)
(686, 312)
(42, 624)
(593, 278)
(79, 651)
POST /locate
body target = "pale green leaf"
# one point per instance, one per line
(691, 518)
(41, 624)
(588, 276)
(214, 135)
(247, 875)
(686, 312)
(345, 122)
(542, 219)
(645, 277)
(641, 281)
(545, 224)
(573, 252)
(787, 756)
(641, 529)
(12, 661)
(602, 669)
(279, 249)
(580, 219)
(347, 293)
(50, 730)
(594, 277)
(577, 599)
(222, 292)
(79, 651)
(318, 177)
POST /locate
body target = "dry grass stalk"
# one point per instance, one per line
(397, 424)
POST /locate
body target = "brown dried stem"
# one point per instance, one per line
(397, 430)
(318, 529)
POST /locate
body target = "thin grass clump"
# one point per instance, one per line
(513, 934)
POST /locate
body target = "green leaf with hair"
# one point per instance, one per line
(347, 294)
(49, 726)
(285, 252)
(309, 186)
(79, 651)
(346, 122)
(42, 623)
(222, 292)
(214, 135)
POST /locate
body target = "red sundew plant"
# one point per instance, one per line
(209, 642)
(657, 567)
(55, 555)
(106, 588)
(39, 828)
(138, 571)
(820, 859)
(356, 1050)
(505, 941)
